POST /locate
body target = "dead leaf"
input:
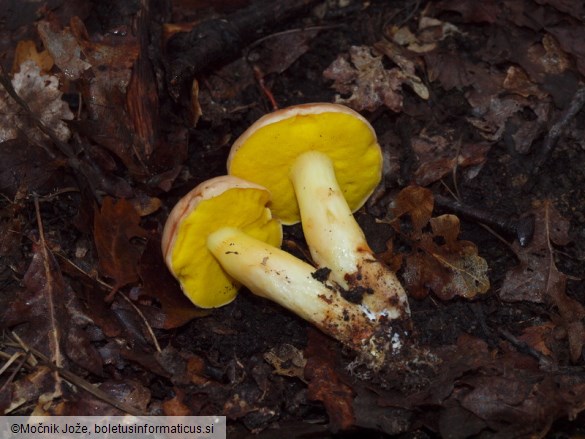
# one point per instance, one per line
(430, 32)
(104, 71)
(362, 76)
(287, 360)
(439, 155)
(27, 168)
(176, 406)
(416, 202)
(269, 57)
(158, 283)
(116, 224)
(55, 323)
(26, 50)
(325, 385)
(42, 95)
(571, 39)
(537, 279)
(437, 261)
(538, 337)
(63, 48)
(518, 82)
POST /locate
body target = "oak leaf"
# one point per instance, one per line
(438, 261)
(362, 76)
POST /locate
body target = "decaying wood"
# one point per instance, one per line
(218, 41)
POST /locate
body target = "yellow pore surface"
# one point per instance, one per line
(267, 156)
(201, 276)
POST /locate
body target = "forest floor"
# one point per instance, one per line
(110, 113)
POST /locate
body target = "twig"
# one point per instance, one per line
(523, 347)
(13, 374)
(555, 132)
(110, 288)
(216, 42)
(83, 384)
(522, 228)
(146, 324)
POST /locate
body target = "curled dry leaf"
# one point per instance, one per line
(416, 202)
(43, 97)
(362, 76)
(438, 260)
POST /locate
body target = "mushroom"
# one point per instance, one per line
(221, 235)
(219, 202)
(321, 162)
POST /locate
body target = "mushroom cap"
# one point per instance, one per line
(218, 202)
(266, 151)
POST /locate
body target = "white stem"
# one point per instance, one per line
(329, 226)
(337, 242)
(280, 277)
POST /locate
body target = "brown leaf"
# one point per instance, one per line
(537, 279)
(26, 168)
(437, 261)
(269, 55)
(47, 311)
(438, 155)
(538, 337)
(28, 389)
(362, 76)
(175, 406)
(497, 393)
(115, 225)
(452, 71)
(417, 202)
(43, 97)
(108, 63)
(158, 283)
(63, 48)
(325, 385)
(55, 322)
(26, 50)
(572, 40)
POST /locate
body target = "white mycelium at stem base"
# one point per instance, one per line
(337, 242)
(282, 278)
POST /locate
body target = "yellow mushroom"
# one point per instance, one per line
(321, 162)
(221, 235)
